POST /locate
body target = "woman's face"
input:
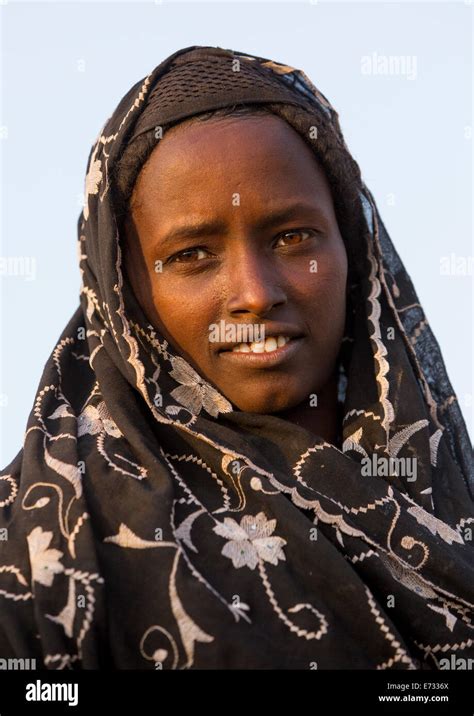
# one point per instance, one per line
(233, 223)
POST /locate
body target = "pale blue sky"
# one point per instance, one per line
(65, 66)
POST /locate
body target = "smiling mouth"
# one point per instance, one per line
(272, 351)
(269, 345)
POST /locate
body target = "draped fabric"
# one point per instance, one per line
(149, 523)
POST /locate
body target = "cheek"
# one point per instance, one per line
(185, 312)
(322, 292)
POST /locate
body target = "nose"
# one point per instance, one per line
(253, 284)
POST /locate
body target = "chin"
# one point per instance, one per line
(268, 404)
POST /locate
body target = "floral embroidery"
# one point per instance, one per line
(194, 393)
(251, 541)
(435, 525)
(94, 420)
(196, 472)
(93, 179)
(44, 561)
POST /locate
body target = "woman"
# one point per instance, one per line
(194, 495)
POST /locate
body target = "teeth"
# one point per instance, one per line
(270, 344)
(267, 346)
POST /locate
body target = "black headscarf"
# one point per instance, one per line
(149, 523)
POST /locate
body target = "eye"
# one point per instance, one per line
(186, 256)
(308, 233)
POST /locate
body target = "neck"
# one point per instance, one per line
(321, 419)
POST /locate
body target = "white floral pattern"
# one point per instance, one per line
(251, 541)
(44, 561)
(194, 393)
(72, 513)
(95, 420)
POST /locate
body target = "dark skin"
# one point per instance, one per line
(242, 272)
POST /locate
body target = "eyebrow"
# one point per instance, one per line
(210, 228)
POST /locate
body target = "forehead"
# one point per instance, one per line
(209, 157)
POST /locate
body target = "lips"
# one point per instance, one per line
(266, 359)
(270, 344)
(276, 336)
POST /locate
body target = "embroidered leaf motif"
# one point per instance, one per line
(70, 472)
(435, 525)
(189, 630)
(66, 617)
(408, 577)
(42, 502)
(352, 443)
(44, 561)
(400, 438)
(184, 530)
(127, 538)
(61, 412)
(434, 442)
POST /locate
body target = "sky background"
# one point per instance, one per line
(65, 66)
